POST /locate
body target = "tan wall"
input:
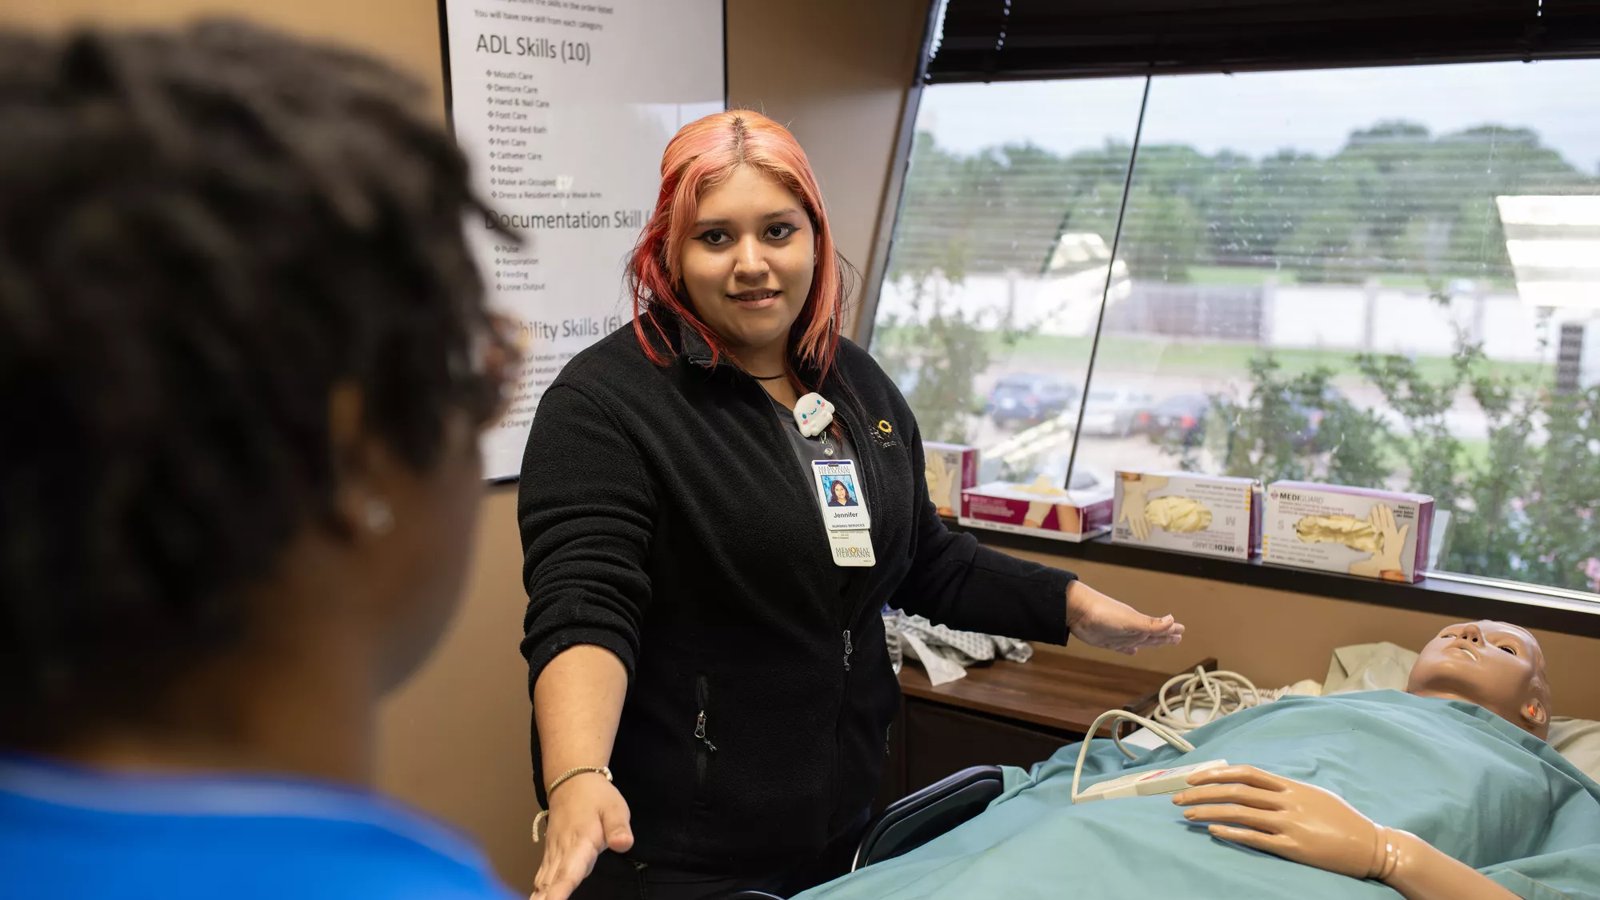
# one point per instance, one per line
(835, 72)
(405, 32)
(454, 739)
(1276, 638)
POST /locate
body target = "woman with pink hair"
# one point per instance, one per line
(711, 686)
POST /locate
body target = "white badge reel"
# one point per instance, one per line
(813, 414)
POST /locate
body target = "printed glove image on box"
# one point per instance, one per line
(1357, 534)
(1184, 515)
(1211, 515)
(949, 469)
(1356, 531)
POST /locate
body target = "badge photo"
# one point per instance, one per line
(840, 495)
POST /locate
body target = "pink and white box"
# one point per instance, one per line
(1038, 509)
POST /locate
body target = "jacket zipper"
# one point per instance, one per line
(702, 756)
(854, 412)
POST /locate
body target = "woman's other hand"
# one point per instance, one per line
(587, 817)
(1101, 621)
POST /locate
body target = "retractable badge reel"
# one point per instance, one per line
(813, 414)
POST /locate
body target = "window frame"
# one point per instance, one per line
(1450, 593)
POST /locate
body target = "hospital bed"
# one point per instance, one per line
(917, 818)
(937, 809)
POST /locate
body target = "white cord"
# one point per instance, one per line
(1156, 728)
(1224, 693)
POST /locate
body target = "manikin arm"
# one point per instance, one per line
(1309, 825)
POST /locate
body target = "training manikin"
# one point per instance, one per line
(1447, 790)
(1497, 666)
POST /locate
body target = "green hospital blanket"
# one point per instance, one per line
(1470, 783)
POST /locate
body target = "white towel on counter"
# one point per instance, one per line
(945, 652)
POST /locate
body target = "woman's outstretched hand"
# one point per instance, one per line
(1101, 621)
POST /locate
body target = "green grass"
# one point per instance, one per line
(1176, 356)
(1236, 275)
(1254, 276)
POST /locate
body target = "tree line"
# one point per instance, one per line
(1395, 198)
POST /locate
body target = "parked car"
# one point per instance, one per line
(1115, 411)
(1029, 398)
(1085, 477)
(1180, 419)
(1315, 412)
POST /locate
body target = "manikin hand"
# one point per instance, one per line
(1100, 621)
(1135, 494)
(1284, 817)
(1386, 562)
(1309, 825)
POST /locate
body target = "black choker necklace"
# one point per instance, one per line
(765, 377)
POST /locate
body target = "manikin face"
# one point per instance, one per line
(1497, 666)
(748, 263)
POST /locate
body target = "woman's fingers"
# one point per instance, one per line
(560, 876)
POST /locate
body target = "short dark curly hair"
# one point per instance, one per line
(202, 233)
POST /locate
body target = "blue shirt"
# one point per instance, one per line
(69, 833)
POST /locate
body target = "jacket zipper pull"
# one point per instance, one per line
(700, 731)
(848, 649)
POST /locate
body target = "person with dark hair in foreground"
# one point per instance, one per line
(244, 359)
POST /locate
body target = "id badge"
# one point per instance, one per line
(844, 506)
(852, 548)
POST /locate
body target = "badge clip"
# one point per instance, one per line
(813, 414)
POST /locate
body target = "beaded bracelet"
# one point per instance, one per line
(580, 770)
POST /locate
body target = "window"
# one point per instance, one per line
(1382, 276)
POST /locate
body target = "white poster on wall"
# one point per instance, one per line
(564, 107)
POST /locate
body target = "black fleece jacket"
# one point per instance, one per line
(664, 517)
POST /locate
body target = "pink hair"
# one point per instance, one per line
(699, 157)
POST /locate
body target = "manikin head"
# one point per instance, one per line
(1495, 665)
